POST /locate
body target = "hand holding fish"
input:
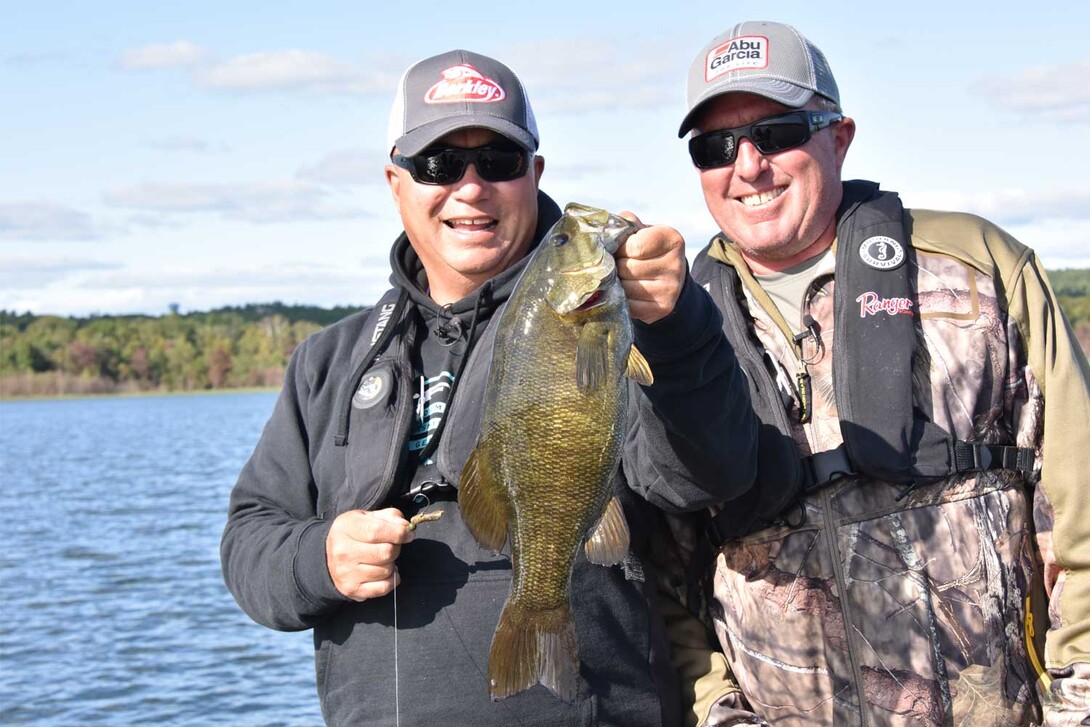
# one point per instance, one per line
(651, 265)
(361, 549)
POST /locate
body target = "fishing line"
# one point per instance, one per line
(397, 690)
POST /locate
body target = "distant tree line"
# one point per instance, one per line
(234, 347)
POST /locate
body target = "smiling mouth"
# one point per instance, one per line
(754, 200)
(471, 224)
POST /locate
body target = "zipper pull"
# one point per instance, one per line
(802, 385)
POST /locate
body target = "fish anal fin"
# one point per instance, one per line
(483, 502)
(637, 368)
(533, 647)
(607, 542)
(592, 357)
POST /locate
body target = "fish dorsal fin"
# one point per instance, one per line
(483, 502)
(637, 368)
(607, 543)
(592, 357)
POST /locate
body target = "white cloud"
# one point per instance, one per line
(44, 221)
(129, 291)
(346, 167)
(581, 73)
(179, 54)
(564, 75)
(294, 70)
(261, 202)
(22, 272)
(1056, 93)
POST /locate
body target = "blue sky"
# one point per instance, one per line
(219, 153)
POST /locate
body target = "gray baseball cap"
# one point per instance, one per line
(459, 90)
(769, 59)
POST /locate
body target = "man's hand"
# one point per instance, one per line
(651, 266)
(360, 551)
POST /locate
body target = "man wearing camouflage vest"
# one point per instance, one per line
(918, 551)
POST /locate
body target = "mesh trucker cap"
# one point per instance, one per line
(459, 90)
(769, 59)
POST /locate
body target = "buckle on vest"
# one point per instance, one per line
(976, 457)
(982, 457)
(825, 468)
(426, 489)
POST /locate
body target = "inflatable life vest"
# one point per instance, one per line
(885, 434)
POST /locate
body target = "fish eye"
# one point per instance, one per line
(559, 239)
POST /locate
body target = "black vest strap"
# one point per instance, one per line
(875, 352)
(376, 333)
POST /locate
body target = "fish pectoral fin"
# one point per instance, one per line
(607, 543)
(637, 368)
(592, 357)
(531, 647)
(483, 502)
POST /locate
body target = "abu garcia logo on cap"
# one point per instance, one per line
(463, 82)
(747, 52)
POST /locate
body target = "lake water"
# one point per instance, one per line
(114, 609)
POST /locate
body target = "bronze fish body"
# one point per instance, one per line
(550, 439)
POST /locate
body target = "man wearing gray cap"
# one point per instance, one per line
(380, 411)
(917, 548)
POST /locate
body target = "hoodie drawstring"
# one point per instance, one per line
(486, 290)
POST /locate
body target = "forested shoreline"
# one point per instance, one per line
(226, 348)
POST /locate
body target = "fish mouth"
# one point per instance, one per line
(592, 300)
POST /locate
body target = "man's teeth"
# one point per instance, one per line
(753, 200)
(475, 222)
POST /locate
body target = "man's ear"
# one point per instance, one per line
(393, 181)
(843, 133)
(539, 168)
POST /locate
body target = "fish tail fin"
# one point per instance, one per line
(531, 647)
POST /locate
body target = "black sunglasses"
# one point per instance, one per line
(446, 165)
(770, 135)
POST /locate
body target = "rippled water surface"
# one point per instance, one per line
(114, 608)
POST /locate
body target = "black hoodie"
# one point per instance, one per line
(299, 479)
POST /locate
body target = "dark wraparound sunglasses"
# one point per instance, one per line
(446, 165)
(770, 135)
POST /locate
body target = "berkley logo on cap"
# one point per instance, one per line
(464, 83)
(746, 52)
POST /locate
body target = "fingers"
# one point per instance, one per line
(361, 550)
(652, 267)
(372, 586)
(631, 217)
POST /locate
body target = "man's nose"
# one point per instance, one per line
(471, 184)
(749, 162)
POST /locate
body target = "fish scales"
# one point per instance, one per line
(550, 439)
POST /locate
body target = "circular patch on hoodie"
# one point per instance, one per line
(373, 388)
(882, 253)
